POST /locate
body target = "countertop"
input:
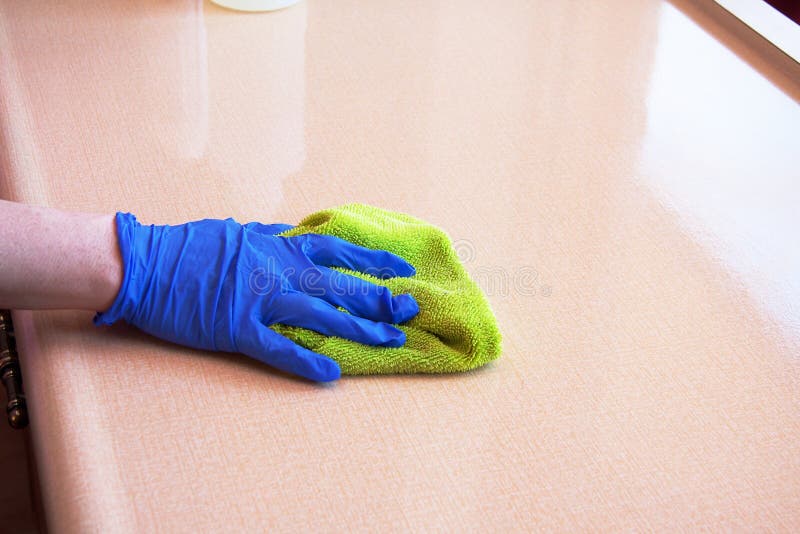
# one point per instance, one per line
(620, 177)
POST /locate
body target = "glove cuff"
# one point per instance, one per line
(125, 300)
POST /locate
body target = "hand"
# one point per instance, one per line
(218, 285)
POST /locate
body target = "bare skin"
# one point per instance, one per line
(53, 259)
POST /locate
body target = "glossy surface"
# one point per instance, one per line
(623, 186)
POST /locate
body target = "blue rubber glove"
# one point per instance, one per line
(217, 285)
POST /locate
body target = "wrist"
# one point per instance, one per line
(115, 277)
(109, 271)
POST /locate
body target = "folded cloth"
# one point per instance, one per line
(455, 329)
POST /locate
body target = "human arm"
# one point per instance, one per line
(52, 259)
(210, 284)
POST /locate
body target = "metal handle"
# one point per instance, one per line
(11, 375)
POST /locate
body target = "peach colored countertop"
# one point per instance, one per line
(620, 177)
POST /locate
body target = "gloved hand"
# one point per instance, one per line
(217, 285)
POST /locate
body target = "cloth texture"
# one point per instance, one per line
(455, 329)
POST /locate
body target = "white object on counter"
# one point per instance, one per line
(255, 5)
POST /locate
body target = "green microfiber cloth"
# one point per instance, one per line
(455, 329)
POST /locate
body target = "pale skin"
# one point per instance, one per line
(53, 259)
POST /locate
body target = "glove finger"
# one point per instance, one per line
(298, 309)
(332, 251)
(359, 297)
(265, 345)
(268, 229)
